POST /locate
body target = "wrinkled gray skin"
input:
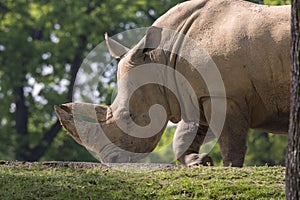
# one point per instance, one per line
(249, 43)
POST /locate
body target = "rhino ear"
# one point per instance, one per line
(115, 49)
(152, 39)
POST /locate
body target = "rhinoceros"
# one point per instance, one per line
(249, 45)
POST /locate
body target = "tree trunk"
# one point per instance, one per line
(21, 116)
(293, 149)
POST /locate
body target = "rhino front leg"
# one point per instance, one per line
(233, 138)
(187, 141)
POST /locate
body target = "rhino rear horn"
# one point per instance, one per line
(115, 49)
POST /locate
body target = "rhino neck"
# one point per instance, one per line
(180, 97)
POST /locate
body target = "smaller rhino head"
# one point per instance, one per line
(131, 127)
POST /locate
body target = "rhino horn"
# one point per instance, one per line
(153, 38)
(150, 42)
(115, 49)
(64, 112)
(82, 122)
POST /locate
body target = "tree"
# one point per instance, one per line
(293, 152)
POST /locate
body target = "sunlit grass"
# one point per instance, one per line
(70, 182)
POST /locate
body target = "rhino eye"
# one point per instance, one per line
(126, 115)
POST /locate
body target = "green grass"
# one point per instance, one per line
(38, 181)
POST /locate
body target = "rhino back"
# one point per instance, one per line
(250, 45)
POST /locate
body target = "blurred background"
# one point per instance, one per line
(42, 46)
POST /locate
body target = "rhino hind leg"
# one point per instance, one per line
(233, 145)
(233, 138)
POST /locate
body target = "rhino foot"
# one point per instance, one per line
(195, 159)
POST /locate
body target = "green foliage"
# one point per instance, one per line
(277, 2)
(265, 149)
(42, 44)
(163, 153)
(67, 182)
(64, 148)
(272, 2)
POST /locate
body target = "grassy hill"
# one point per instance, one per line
(58, 180)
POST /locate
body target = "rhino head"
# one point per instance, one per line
(131, 127)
